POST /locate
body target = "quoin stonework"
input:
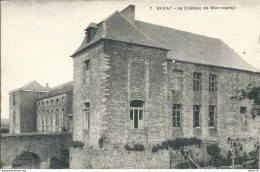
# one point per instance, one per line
(137, 83)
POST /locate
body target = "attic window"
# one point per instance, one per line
(91, 31)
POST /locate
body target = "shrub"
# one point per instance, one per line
(128, 148)
(183, 165)
(214, 151)
(218, 162)
(137, 147)
(155, 148)
(177, 144)
(76, 144)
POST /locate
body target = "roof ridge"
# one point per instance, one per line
(142, 32)
(178, 30)
(62, 84)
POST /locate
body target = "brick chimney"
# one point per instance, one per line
(129, 13)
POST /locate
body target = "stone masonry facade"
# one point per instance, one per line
(131, 93)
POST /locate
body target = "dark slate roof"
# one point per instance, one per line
(91, 25)
(186, 46)
(117, 27)
(32, 86)
(58, 90)
(183, 46)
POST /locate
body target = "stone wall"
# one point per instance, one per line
(50, 107)
(136, 73)
(14, 122)
(89, 91)
(44, 145)
(118, 158)
(230, 121)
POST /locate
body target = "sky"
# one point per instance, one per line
(38, 37)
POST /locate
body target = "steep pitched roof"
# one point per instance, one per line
(183, 46)
(117, 27)
(58, 90)
(186, 46)
(32, 86)
(91, 25)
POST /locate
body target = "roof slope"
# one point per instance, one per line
(58, 90)
(117, 27)
(186, 46)
(32, 86)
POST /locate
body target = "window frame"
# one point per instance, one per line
(86, 116)
(197, 82)
(212, 110)
(177, 83)
(14, 102)
(14, 118)
(176, 112)
(87, 65)
(212, 83)
(136, 114)
(196, 111)
(243, 110)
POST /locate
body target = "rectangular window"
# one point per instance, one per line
(177, 80)
(136, 114)
(13, 100)
(57, 117)
(212, 83)
(176, 112)
(42, 121)
(212, 117)
(86, 64)
(196, 116)
(86, 116)
(196, 82)
(51, 118)
(243, 111)
(86, 79)
(14, 118)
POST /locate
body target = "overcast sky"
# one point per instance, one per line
(38, 37)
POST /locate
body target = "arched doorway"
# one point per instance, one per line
(27, 160)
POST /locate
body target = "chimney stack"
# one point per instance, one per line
(47, 85)
(129, 13)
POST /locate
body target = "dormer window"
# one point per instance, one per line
(91, 31)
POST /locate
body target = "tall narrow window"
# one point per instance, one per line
(136, 114)
(177, 80)
(57, 118)
(243, 111)
(14, 118)
(196, 82)
(212, 116)
(86, 115)
(51, 118)
(13, 100)
(212, 83)
(176, 112)
(87, 72)
(196, 116)
(42, 121)
(87, 64)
